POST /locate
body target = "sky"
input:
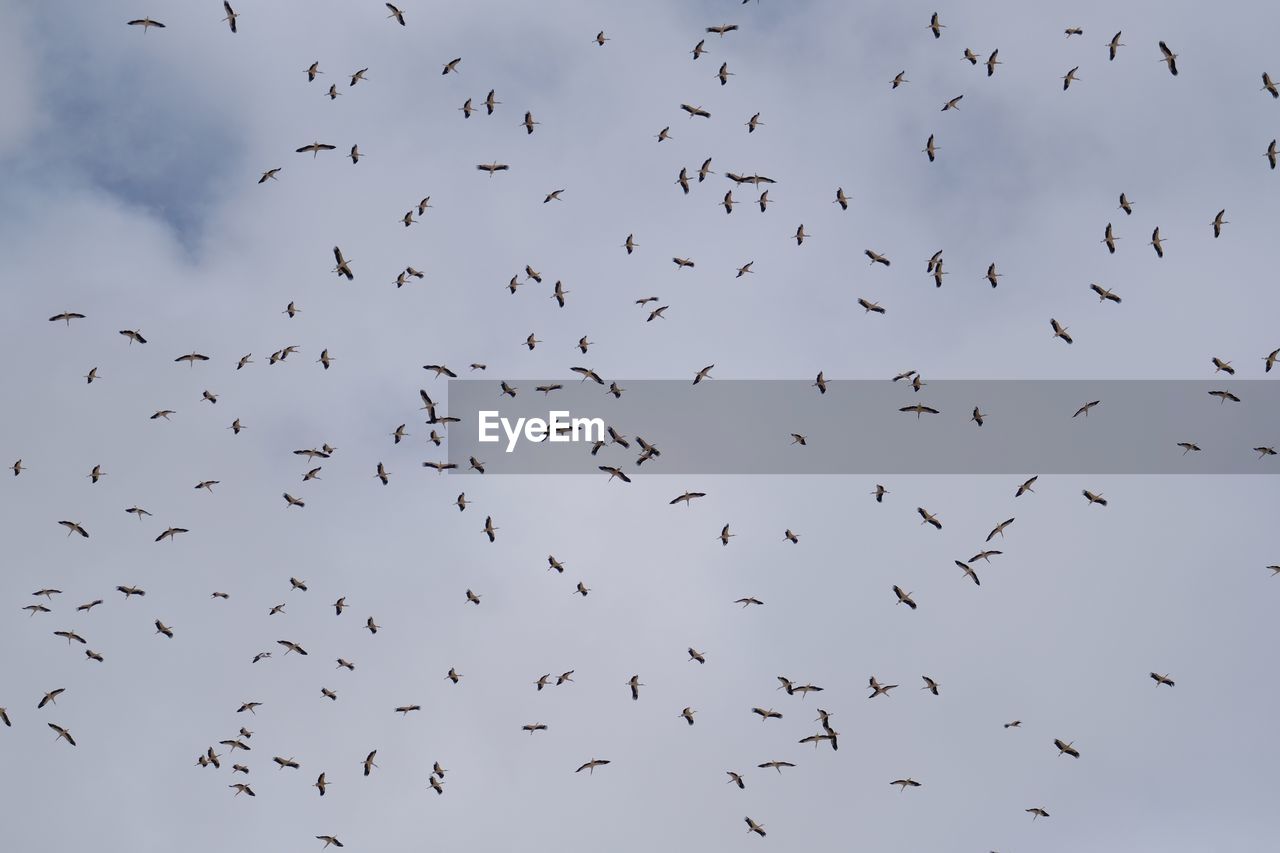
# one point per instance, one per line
(130, 195)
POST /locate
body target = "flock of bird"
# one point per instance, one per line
(234, 746)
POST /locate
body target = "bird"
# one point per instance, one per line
(1060, 331)
(953, 104)
(1104, 294)
(971, 56)
(66, 316)
(1156, 243)
(919, 410)
(1065, 748)
(368, 762)
(1069, 78)
(1094, 499)
(635, 684)
(63, 734)
(936, 26)
(704, 373)
(968, 572)
(764, 714)
(491, 168)
(752, 826)
(452, 66)
(904, 597)
(1161, 679)
(51, 697)
(992, 62)
(724, 73)
(528, 122)
(879, 492)
(978, 417)
(590, 766)
(695, 111)
(905, 783)
(898, 80)
(992, 275)
(1126, 205)
(396, 13)
(775, 765)
(343, 266)
(735, 779)
(1110, 239)
(694, 654)
(1074, 31)
(928, 517)
(315, 148)
(1084, 410)
(1218, 222)
(1272, 155)
(1268, 85)
(170, 533)
(687, 497)
(876, 257)
(878, 689)
(162, 628)
(554, 195)
(1036, 813)
(146, 24)
(1114, 45)
(999, 528)
(688, 713)
(72, 527)
(329, 839)
(1169, 58)
(1222, 366)
(722, 29)
(1188, 446)
(1224, 396)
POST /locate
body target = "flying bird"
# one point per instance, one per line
(1114, 45)
(1065, 748)
(315, 148)
(1060, 331)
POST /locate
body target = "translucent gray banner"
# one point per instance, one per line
(1224, 426)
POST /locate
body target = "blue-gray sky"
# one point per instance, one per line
(130, 163)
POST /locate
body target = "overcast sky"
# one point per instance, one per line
(129, 194)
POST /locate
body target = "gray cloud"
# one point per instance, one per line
(130, 195)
